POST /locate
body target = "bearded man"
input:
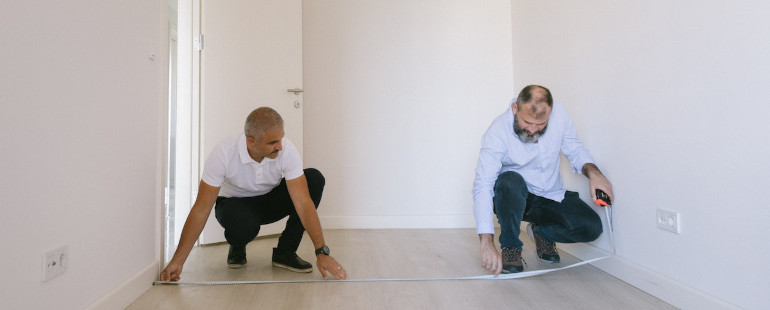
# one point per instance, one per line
(517, 178)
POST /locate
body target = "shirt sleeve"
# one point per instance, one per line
(215, 167)
(291, 165)
(573, 148)
(488, 168)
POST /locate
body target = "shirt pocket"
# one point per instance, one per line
(550, 152)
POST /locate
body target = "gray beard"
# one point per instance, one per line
(522, 134)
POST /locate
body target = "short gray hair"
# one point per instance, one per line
(261, 120)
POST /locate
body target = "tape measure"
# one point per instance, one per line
(603, 200)
(484, 277)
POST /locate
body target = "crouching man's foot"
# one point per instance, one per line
(512, 261)
(290, 261)
(546, 250)
(236, 257)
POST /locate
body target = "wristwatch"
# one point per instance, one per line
(322, 250)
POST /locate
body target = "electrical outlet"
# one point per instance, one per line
(668, 220)
(54, 263)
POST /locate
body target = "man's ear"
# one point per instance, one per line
(515, 107)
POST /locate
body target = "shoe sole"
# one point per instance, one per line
(531, 234)
(236, 266)
(517, 270)
(287, 267)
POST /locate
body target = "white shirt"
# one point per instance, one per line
(537, 163)
(230, 167)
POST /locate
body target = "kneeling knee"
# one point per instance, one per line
(314, 176)
(593, 231)
(510, 180)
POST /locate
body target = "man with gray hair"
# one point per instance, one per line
(517, 178)
(255, 178)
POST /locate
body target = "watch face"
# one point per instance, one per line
(323, 250)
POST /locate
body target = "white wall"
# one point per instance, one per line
(671, 97)
(397, 96)
(82, 137)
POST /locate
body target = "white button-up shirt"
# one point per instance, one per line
(537, 163)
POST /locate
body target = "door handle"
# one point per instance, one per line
(296, 92)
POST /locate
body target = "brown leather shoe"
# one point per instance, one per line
(546, 250)
(512, 261)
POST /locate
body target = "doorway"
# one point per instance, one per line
(231, 57)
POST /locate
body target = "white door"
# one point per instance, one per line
(252, 55)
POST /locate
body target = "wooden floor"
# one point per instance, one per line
(369, 254)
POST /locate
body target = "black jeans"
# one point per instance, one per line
(242, 217)
(568, 221)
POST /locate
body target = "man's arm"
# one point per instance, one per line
(207, 196)
(579, 158)
(300, 196)
(596, 180)
(487, 169)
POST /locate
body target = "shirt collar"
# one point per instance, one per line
(244, 153)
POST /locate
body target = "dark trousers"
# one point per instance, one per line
(242, 217)
(568, 221)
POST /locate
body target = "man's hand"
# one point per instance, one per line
(171, 273)
(596, 180)
(490, 257)
(327, 263)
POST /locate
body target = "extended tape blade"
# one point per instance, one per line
(484, 277)
(608, 213)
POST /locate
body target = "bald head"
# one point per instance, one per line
(535, 93)
(260, 120)
(536, 101)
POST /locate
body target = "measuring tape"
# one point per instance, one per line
(603, 200)
(485, 277)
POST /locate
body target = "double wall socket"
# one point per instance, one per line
(668, 220)
(54, 263)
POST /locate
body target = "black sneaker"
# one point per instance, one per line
(236, 258)
(546, 250)
(512, 261)
(290, 261)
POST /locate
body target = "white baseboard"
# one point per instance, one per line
(124, 294)
(399, 221)
(658, 285)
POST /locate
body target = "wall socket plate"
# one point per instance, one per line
(668, 220)
(54, 263)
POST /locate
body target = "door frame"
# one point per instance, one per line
(187, 142)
